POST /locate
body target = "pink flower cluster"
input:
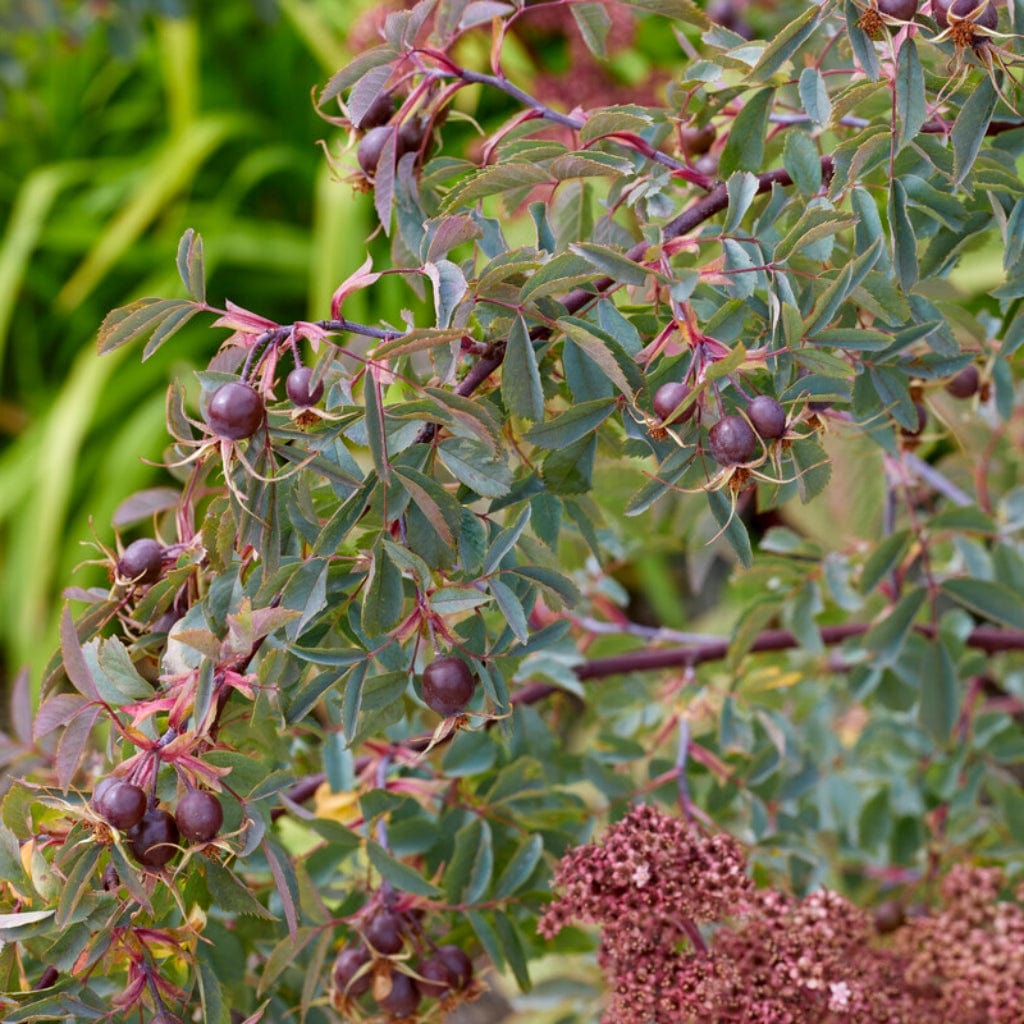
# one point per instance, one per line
(685, 938)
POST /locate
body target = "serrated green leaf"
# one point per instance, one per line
(886, 556)
(863, 48)
(593, 22)
(802, 160)
(814, 96)
(476, 466)
(744, 149)
(939, 700)
(968, 132)
(398, 874)
(988, 599)
(230, 893)
(385, 597)
(816, 223)
(141, 318)
(911, 110)
(679, 10)
(493, 181)
(558, 275)
(732, 527)
(741, 189)
(614, 264)
(605, 351)
(511, 608)
(887, 637)
(579, 421)
(785, 44)
(521, 388)
(518, 870)
(190, 264)
(615, 119)
(570, 470)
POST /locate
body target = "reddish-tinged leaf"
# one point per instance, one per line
(21, 707)
(448, 232)
(72, 746)
(142, 317)
(240, 319)
(362, 278)
(190, 264)
(74, 661)
(384, 181)
(143, 504)
(277, 869)
(56, 711)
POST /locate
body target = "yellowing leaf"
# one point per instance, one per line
(340, 807)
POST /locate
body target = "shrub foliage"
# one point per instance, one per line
(370, 671)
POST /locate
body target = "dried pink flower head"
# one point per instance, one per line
(773, 959)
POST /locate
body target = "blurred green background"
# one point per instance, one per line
(121, 125)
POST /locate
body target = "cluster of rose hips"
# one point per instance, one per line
(375, 128)
(153, 833)
(967, 15)
(965, 384)
(367, 970)
(236, 410)
(734, 439)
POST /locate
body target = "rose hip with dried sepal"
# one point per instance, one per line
(384, 932)
(401, 998)
(297, 387)
(120, 803)
(154, 841)
(199, 816)
(436, 977)
(732, 441)
(235, 411)
(448, 685)
(964, 384)
(346, 966)
(141, 561)
(458, 962)
(668, 397)
(767, 416)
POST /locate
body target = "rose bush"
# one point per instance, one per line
(379, 662)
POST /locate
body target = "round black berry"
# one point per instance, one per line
(235, 411)
(346, 967)
(411, 135)
(922, 419)
(963, 10)
(732, 441)
(458, 962)
(120, 803)
(965, 384)
(403, 998)
(154, 841)
(297, 387)
(902, 9)
(448, 685)
(668, 397)
(199, 816)
(384, 932)
(889, 916)
(377, 113)
(768, 417)
(694, 141)
(141, 561)
(436, 977)
(370, 148)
